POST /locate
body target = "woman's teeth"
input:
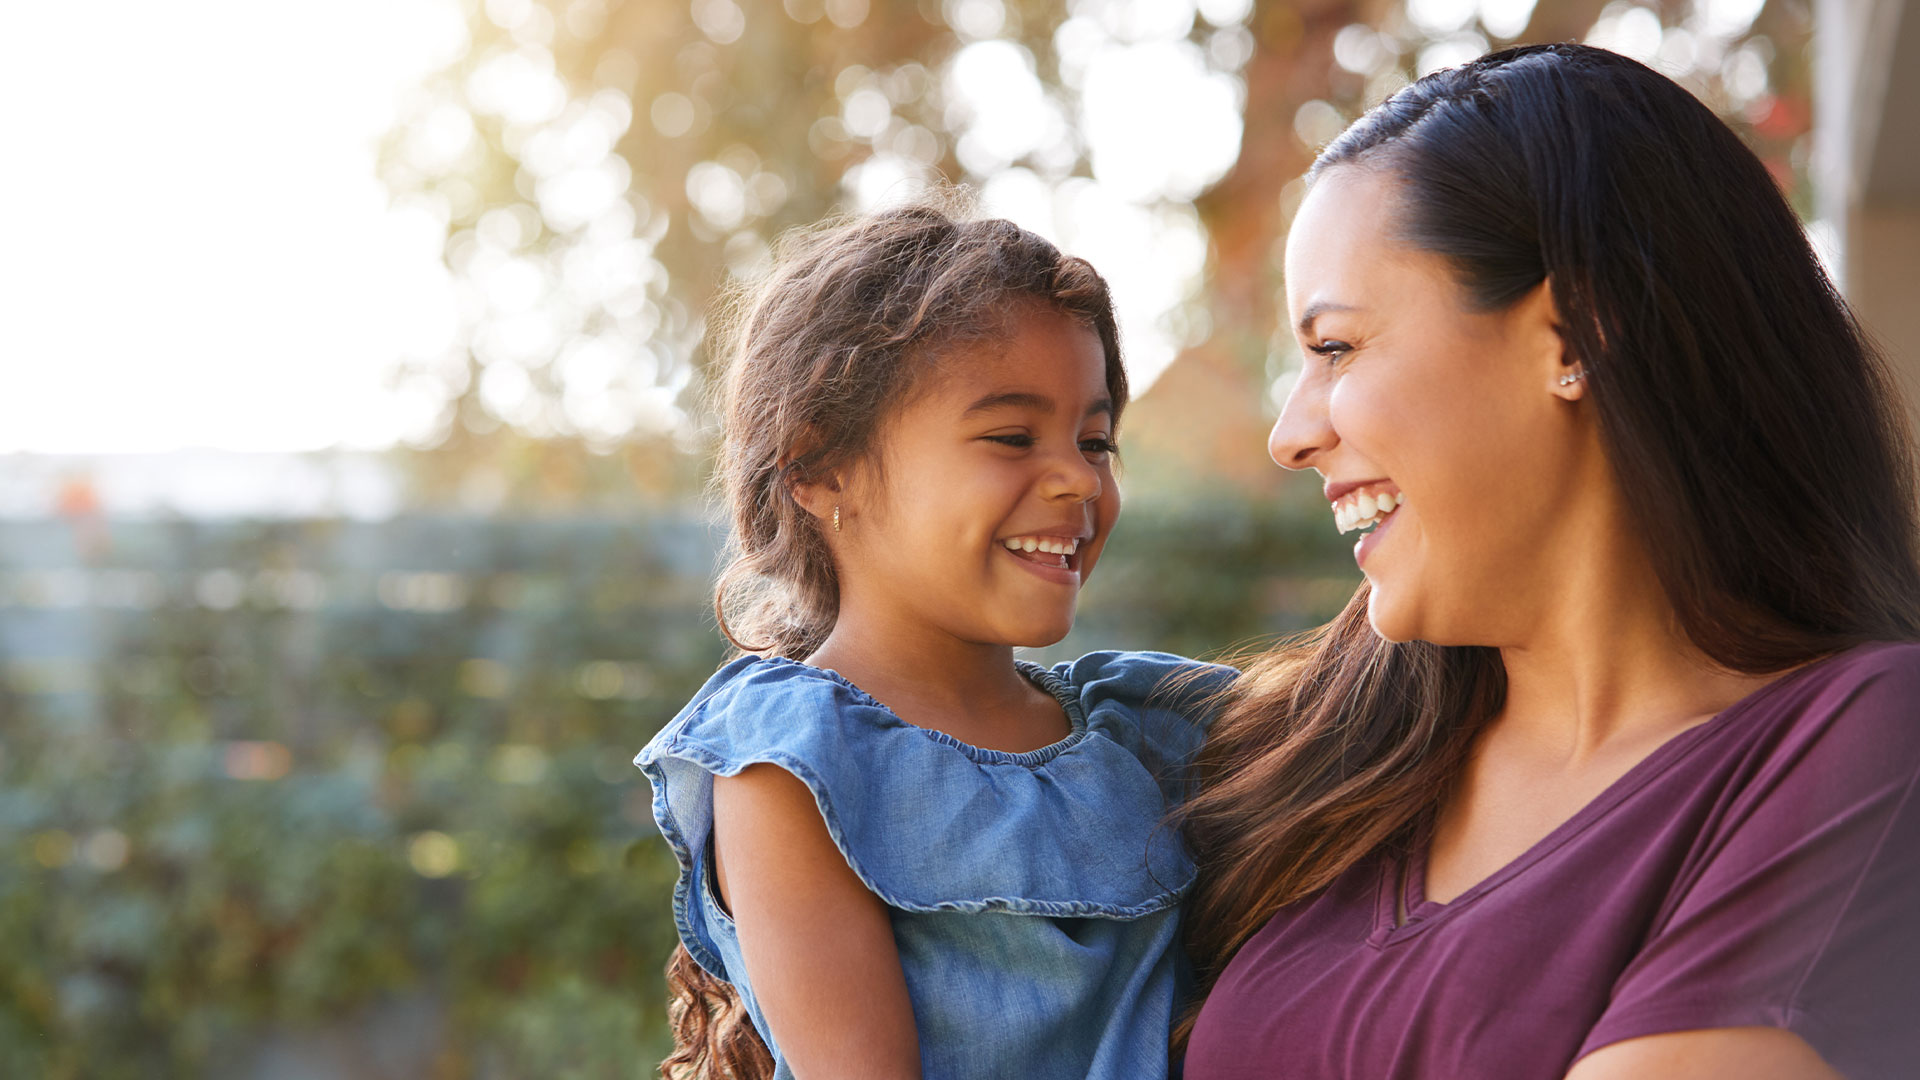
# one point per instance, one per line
(1363, 511)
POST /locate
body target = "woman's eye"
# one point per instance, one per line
(1332, 350)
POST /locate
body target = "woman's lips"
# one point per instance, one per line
(1371, 539)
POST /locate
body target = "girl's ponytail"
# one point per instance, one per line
(713, 1038)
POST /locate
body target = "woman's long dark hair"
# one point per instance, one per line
(1757, 439)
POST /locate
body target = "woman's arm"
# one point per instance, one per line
(818, 944)
(1751, 1053)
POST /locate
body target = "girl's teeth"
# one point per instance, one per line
(1043, 544)
(1367, 507)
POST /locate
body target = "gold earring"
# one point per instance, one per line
(836, 517)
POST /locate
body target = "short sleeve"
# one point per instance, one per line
(1157, 705)
(927, 824)
(1802, 909)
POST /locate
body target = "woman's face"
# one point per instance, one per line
(1456, 417)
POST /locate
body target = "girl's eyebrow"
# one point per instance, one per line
(1026, 399)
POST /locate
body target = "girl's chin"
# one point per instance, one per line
(1038, 633)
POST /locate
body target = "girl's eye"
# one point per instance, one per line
(1020, 441)
(1099, 444)
(1332, 350)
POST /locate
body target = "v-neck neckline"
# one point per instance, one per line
(1404, 880)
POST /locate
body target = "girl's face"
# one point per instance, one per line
(1456, 417)
(993, 492)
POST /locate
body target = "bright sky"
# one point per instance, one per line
(200, 255)
(198, 252)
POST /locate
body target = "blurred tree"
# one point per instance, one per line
(608, 168)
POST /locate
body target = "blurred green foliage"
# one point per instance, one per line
(261, 783)
(314, 765)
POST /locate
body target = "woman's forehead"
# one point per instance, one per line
(1345, 250)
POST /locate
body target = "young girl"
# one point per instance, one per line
(903, 852)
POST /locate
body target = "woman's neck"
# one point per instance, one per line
(1611, 665)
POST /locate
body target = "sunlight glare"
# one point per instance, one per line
(211, 260)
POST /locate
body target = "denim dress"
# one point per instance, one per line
(1034, 896)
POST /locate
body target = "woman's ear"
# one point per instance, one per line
(1536, 323)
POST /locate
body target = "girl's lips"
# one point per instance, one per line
(1059, 575)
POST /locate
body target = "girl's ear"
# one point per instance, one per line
(816, 498)
(817, 494)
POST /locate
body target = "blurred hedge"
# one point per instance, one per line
(359, 795)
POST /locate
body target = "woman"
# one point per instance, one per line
(1608, 770)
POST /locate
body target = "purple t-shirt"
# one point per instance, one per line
(1760, 869)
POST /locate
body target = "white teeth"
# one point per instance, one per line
(1361, 511)
(1047, 544)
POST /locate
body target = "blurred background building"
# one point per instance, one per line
(352, 535)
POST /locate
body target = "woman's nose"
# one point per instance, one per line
(1303, 432)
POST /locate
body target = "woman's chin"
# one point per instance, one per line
(1389, 620)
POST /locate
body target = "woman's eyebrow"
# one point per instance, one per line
(1317, 309)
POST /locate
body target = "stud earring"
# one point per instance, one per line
(836, 518)
(1573, 376)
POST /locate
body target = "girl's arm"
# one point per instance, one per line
(818, 944)
(1753, 1053)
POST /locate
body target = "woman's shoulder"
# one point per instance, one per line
(1834, 727)
(1881, 667)
(1862, 689)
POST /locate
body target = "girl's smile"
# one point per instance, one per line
(1054, 557)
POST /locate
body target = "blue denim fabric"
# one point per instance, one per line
(1034, 895)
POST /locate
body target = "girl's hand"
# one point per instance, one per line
(818, 945)
(1752, 1053)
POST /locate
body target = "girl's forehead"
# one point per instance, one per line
(1058, 358)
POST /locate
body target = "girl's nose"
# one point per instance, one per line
(1303, 432)
(1072, 477)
